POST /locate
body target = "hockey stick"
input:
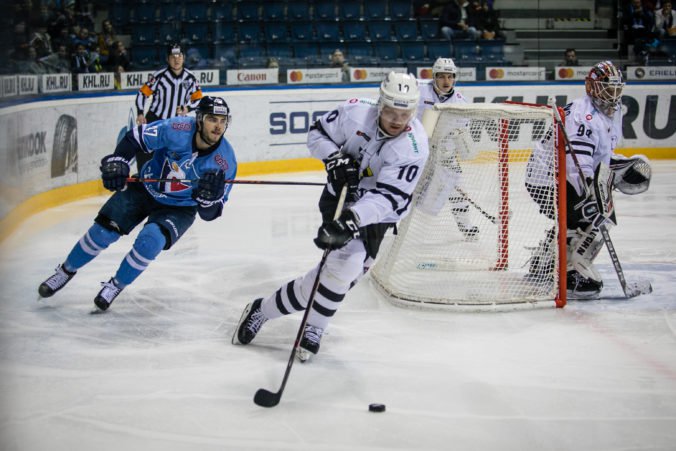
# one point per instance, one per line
(240, 182)
(266, 398)
(631, 289)
(465, 196)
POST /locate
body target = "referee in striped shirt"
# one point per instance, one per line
(174, 89)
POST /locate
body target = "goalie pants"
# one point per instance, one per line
(341, 271)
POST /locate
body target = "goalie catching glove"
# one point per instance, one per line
(210, 189)
(114, 172)
(342, 170)
(336, 234)
(632, 175)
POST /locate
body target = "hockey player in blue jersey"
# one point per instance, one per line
(181, 148)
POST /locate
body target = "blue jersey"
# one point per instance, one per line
(175, 156)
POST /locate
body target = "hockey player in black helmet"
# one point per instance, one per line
(180, 148)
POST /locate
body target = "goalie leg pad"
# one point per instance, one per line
(584, 281)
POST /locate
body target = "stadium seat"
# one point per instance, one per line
(279, 50)
(168, 33)
(222, 11)
(360, 53)
(248, 51)
(225, 55)
(355, 31)
(298, 11)
(170, 13)
(249, 32)
(439, 49)
(196, 32)
(325, 10)
(196, 11)
(119, 15)
(413, 51)
(349, 9)
(429, 29)
(375, 9)
(273, 11)
(306, 50)
(144, 13)
(247, 11)
(302, 31)
(327, 48)
(276, 31)
(387, 52)
(380, 30)
(400, 9)
(406, 30)
(492, 50)
(224, 32)
(142, 33)
(328, 31)
(467, 50)
(144, 57)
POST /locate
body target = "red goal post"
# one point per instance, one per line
(478, 164)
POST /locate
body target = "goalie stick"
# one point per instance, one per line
(240, 182)
(630, 289)
(266, 398)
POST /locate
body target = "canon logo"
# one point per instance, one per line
(251, 77)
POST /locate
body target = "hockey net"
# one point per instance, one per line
(477, 171)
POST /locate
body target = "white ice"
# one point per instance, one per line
(158, 372)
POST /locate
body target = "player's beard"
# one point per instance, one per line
(206, 137)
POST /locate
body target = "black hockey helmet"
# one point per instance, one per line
(174, 49)
(213, 105)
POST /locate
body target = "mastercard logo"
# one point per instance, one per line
(496, 73)
(296, 75)
(566, 72)
(426, 74)
(359, 74)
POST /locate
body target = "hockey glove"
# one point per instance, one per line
(114, 172)
(342, 170)
(336, 234)
(590, 209)
(210, 189)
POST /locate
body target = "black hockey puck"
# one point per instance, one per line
(376, 407)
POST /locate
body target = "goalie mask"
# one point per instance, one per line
(215, 106)
(444, 66)
(604, 85)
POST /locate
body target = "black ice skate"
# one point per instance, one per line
(310, 342)
(249, 324)
(107, 294)
(581, 287)
(55, 282)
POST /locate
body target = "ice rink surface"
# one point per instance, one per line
(158, 372)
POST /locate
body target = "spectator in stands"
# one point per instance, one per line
(57, 62)
(570, 58)
(484, 19)
(272, 63)
(639, 28)
(338, 60)
(106, 40)
(30, 64)
(118, 58)
(665, 21)
(453, 21)
(82, 62)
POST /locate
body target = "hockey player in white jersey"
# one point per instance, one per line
(378, 149)
(593, 124)
(442, 89)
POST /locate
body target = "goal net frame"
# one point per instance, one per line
(382, 273)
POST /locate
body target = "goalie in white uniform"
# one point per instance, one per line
(594, 127)
(378, 149)
(441, 89)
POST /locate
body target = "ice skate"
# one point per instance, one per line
(55, 282)
(581, 287)
(107, 295)
(310, 342)
(249, 324)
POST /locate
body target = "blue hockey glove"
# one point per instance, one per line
(210, 189)
(114, 172)
(342, 170)
(336, 234)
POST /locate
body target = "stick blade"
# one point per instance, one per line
(266, 398)
(637, 288)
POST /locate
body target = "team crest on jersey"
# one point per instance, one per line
(220, 161)
(172, 170)
(353, 101)
(589, 117)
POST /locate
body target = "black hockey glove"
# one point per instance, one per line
(210, 189)
(342, 170)
(336, 234)
(589, 209)
(114, 172)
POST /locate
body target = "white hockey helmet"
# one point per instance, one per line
(444, 65)
(399, 90)
(604, 85)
